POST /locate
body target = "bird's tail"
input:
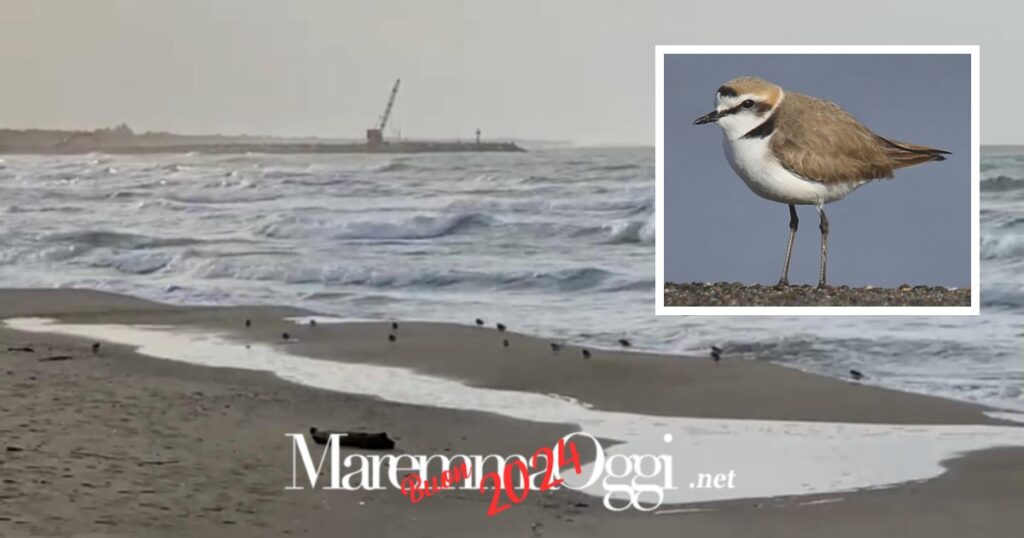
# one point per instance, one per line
(904, 154)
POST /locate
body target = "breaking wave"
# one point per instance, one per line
(560, 280)
(1002, 246)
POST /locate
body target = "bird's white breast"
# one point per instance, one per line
(753, 160)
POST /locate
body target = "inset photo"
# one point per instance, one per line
(817, 180)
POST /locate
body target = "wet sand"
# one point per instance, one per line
(737, 294)
(118, 444)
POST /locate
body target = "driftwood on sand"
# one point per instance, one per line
(372, 441)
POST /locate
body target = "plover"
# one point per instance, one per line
(501, 327)
(857, 376)
(716, 353)
(394, 325)
(586, 353)
(800, 150)
(624, 343)
(556, 347)
(479, 322)
(392, 338)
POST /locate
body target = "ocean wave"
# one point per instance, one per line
(136, 263)
(614, 167)
(1001, 246)
(44, 209)
(220, 198)
(103, 238)
(558, 208)
(1001, 296)
(622, 232)
(641, 232)
(392, 166)
(1002, 183)
(286, 174)
(415, 227)
(644, 284)
(564, 280)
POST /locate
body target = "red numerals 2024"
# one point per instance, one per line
(567, 454)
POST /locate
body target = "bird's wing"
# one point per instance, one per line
(904, 154)
(817, 140)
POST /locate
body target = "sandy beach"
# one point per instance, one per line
(121, 444)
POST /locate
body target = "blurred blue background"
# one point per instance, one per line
(914, 229)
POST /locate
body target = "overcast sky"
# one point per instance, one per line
(541, 69)
(914, 229)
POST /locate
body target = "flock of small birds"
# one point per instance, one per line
(716, 352)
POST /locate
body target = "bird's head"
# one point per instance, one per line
(742, 104)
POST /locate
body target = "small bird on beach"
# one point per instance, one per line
(392, 338)
(857, 376)
(716, 353)
(95, 348)
(312, 323)
(501, 327)
(586, 353)
(285, 336)
(479, 322)
(556, 347)
(504, 343)
(394, 325)
(624, 343)
(800, 150)
(248, 323)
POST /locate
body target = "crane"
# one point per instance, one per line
(375, 136)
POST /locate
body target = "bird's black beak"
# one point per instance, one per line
(710, 117)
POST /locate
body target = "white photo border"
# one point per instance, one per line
(660, 51)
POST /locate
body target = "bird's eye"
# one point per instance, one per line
(748, 103)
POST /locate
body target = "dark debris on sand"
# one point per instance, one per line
(737, 294)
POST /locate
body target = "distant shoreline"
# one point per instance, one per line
(284, 148)
(122, 140)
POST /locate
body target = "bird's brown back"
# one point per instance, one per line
(818, 140)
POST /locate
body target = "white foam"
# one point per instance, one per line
(769, 458)
(681, 511)
(1007, 415)
(324, 320)
(823, 501)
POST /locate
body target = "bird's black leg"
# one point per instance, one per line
(794, 222)
(824, 246)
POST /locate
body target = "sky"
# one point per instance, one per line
(580, 70)
(914, 229)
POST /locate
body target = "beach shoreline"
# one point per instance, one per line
(86, 426)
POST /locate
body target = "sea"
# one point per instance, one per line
(555, 242)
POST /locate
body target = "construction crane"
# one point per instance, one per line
(375, 136)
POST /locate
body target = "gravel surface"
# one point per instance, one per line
(737, 294)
